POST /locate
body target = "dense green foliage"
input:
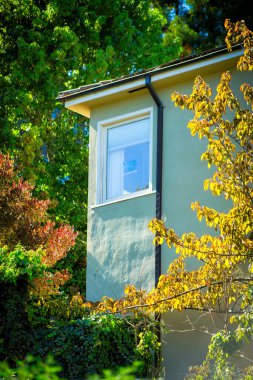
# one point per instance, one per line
(206, 18)
(84, 346)
(15, 328)
(90, 345)
(29, 240)
(122, 373)
(36, 369)
(31, 368)
(30, 246)
(54, 45)
(20, 262)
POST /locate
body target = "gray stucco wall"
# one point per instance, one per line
(183, 171)
(184, 174)
(120, 249)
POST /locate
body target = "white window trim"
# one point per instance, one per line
(138, 194)
(102, 128)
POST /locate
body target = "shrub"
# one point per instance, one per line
(90, 345)
(31, 368)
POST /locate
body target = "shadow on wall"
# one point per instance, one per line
(186, 337)
(120, 249)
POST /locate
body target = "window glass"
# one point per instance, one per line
(127, 158)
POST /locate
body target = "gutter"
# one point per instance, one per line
(159, 168)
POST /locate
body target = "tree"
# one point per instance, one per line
(30, 243)
(30, 246)
(223, 281)
(206, 18)
(50, 46)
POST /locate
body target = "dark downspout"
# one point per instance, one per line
(159, 179)
(159, 168)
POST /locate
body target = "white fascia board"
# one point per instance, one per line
(193, 65)
(103, 93)
(134, 83)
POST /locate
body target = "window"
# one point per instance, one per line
(126, 159)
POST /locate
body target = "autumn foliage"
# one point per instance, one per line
(24, 222)
(223, 280)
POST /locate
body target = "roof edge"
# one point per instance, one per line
(90, 88)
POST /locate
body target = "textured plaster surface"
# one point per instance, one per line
(120, 249)
(183, 175)
(121, 252)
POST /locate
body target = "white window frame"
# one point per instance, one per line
(102, 129)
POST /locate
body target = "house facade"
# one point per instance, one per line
(143, 163)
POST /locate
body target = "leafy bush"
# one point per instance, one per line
(88, 346)
(147, 349)
(122, 373)
(20, 262)
(31, 368)
(35, 369)
(15, 329)
(30, 247)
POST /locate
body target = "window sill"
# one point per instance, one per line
(125, 198)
